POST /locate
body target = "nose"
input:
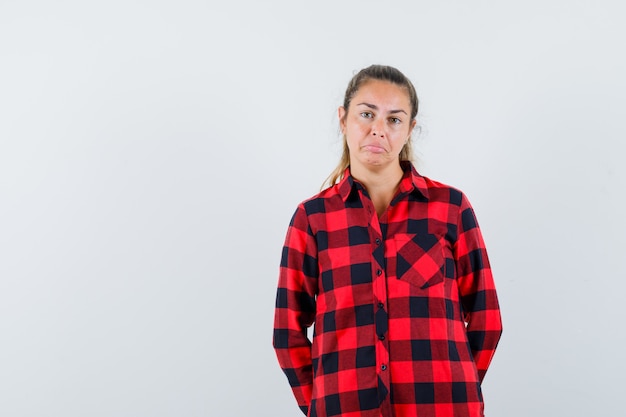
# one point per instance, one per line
(378, 129)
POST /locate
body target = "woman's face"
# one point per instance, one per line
(377, 124)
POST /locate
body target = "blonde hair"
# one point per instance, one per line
(381, 73)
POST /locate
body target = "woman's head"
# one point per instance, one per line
(381, 73)
(364, 81)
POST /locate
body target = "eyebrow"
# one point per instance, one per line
(374, 107)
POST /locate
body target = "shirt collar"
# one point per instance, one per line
(412, 181)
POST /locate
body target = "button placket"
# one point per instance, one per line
(379, 288)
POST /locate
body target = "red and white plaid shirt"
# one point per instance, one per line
(405, 309)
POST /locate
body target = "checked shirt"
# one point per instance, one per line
(405, 312)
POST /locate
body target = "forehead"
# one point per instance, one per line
(382, 93)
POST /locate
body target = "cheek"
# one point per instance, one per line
(353, 140)
(350, 142)
(402, 135)
(357, 127)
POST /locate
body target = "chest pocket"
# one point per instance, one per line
(420, 259)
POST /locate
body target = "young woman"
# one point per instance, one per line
(391, 268)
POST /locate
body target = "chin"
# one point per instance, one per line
(378, 159)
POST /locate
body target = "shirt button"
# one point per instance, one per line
(383, 367)
(381, 337)
(379, 272)
(380, 305)
(377, 241)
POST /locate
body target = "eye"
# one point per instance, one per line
(367, 115)
(395, 120)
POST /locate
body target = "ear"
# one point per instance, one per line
(341, 113)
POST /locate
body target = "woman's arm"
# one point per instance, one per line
(477, 289)
(295, 307)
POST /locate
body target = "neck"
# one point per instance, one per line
(380, 185)
(381, 179)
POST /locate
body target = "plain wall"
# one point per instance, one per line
(152, 154)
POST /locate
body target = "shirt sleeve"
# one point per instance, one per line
(477, 289)
(295, 307)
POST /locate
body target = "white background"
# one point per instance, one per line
(152, 153)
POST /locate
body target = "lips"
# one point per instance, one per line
(374, 148)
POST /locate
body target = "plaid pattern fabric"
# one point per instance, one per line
(405, 309)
